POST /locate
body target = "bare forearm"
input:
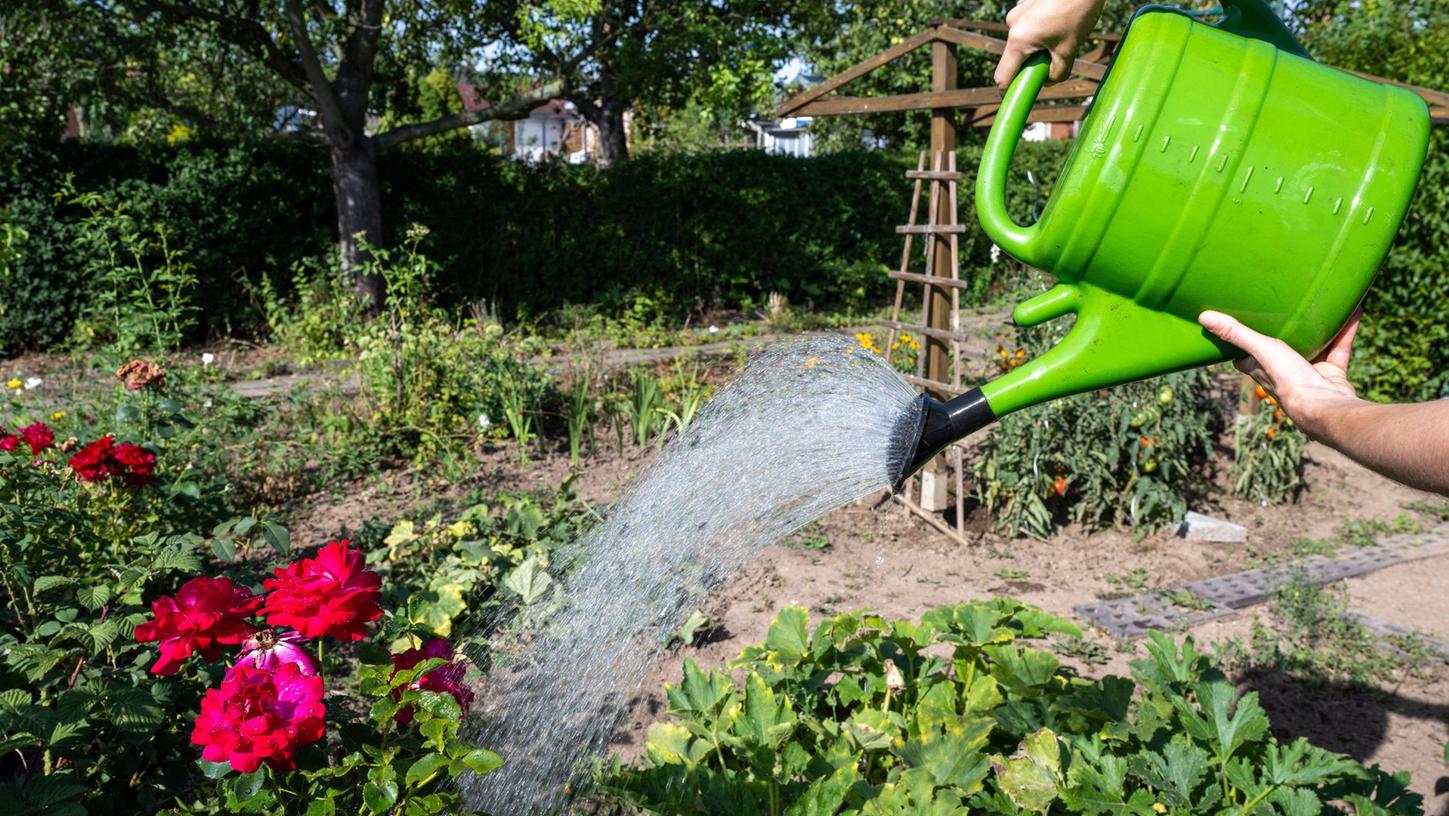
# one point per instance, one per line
(1408, 443)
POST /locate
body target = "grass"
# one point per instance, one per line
(1311, 636)
(811, 538)
(1007, 574)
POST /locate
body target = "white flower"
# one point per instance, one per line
(207, 358)
(995, 253)
(483, 422)
(32, 383)
(714, 329)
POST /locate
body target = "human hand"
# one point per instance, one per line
(1306, 391)
(1055, 26)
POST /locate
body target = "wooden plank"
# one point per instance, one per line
(931, 100)
(794, 103)
(929, 229)
(1054, 113)
(906, 253)
(927, 279)
(938, 175)
(943, 387)
(992, 45)
(1002, 28)
(939, 334)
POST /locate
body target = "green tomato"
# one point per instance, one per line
(1164, 395)
(1150, 465)
(1138, 419)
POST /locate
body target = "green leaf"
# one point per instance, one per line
(372, 654)
(224, 548)
(247, 786)
(1021, 670)
(213, 770)
(527, 581)
(134, 710)
(951, 755)
(767, 719)
(871, 729)
(45, 583)
(425, 769)
(379, 797)
(277, 536)
(691, 626)
(1099, 788)
(1175, 773)
(1297, 802)
(702, 695)
(481, 761)
(1223, 732)
(671, 744)
(826, 794)
(1030, 776)
(787, 636)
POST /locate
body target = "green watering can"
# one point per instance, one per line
(1218, 168)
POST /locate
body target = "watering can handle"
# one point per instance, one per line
(1018, 241)
(1256, 20)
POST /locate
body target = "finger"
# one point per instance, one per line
(1278, 362)
(1010, 64)
(1340, 350)
(1249, 366)
(1015, 13)
(1062, 60)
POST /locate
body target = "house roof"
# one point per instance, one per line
(473, 99)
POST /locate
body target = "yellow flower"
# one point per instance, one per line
(14, 383)
(57, 416)
(179, 133)
(1159, 807)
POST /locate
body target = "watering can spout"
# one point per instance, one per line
(933, 425)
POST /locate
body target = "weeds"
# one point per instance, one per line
(644, 403)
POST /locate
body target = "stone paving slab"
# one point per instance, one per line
(1135, 616)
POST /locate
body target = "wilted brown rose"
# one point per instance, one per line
(139, 374)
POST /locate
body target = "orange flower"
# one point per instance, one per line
(1060, 485)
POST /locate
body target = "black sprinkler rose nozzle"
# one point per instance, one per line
(935, 424)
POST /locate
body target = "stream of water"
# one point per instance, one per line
(809, 425)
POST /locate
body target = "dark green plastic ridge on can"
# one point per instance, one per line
(1218, 168)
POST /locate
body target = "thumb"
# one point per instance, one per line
(1228, 329)
(1010, 64)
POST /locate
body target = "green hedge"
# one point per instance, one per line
(690, 230)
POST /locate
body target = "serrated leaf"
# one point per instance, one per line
(826, 794)
(134, 710)
(951, 755)
(1225, 733)
(787, 636)
(767, 719)
(213, 770)
(871, 729)
(671, 744)
(45, 583)
(1175, 773)
(528, 581)
(1030, 776)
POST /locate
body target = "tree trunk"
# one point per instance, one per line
(359, 214)
(607, 114)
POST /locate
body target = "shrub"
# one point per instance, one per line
(1131, 454)
(959, 712)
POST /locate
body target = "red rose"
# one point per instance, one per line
(258, 716)
(103, 458)
(328, 595)
(205, 613)
(446, 679)
(9, 442)
(92, 463)
(134, 464)
(38, 437)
